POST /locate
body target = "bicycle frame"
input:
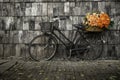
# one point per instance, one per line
(68, 40)
(78, 44)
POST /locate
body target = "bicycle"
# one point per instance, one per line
(44, 46)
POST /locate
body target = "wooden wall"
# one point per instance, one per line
(19, 22)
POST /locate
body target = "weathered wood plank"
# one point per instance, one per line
(1, 50)
(7, 9)
(19, 9)
(19, 21)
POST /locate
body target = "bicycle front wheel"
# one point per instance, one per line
(43, 47)
(89, 50)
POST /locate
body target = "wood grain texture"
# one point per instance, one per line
(19, 22)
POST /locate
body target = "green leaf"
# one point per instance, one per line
(111, 24)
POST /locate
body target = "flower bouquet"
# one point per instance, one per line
(97, 22)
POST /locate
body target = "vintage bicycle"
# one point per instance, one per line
(45, 46)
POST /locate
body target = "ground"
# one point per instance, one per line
(60, 70)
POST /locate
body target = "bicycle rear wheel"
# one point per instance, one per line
(43, 47)
(89, 50)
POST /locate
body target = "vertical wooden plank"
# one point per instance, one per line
(16, 38)
(111, 52)
(9, 50)
(94, 6)
(11, 39)
(28, 10)
(34, 9)
(39, 9)
(7, 9)
(18, 23)
(18, 50)
(33, 34)
(72, 6)
(6, 38)
(108, 7)
(25, 38)
(19, 9)
(69, 24)
(55, 9)
(85, 7)
(45, 19)
(50, 9)
(10, 23)
(104, 52)
(101, 6)
(118, 51)
(2, 23)
(113, 9)
(113, 37)
(117, 8)
(80, 19)
(31, 21)
(24, 51)
(1, 0)
(38, 0)
(0, 9)
(1, 36)
(37, 21)
(76, 11)
(1, 50)
(116, 23)
(66, 8)
(6, 0)
(25, 24)
(62, 25)
(75, 19)
(7, 23)
(61, 9)
(44, 9)
(26, 0)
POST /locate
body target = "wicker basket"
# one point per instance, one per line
(93, 29)
(48, 26)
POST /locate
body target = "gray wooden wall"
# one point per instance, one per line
(19, 22)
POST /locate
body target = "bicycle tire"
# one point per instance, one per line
(94, 50)
(43, 47)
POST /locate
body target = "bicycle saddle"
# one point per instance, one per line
(79, 26)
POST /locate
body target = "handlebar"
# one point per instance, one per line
(60, 17)
(79, 26)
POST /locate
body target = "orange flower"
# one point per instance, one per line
(100, 20)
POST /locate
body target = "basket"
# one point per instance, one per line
(93, 29)
(48, 26)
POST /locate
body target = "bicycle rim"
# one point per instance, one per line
(92, 50)
(43, 47)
